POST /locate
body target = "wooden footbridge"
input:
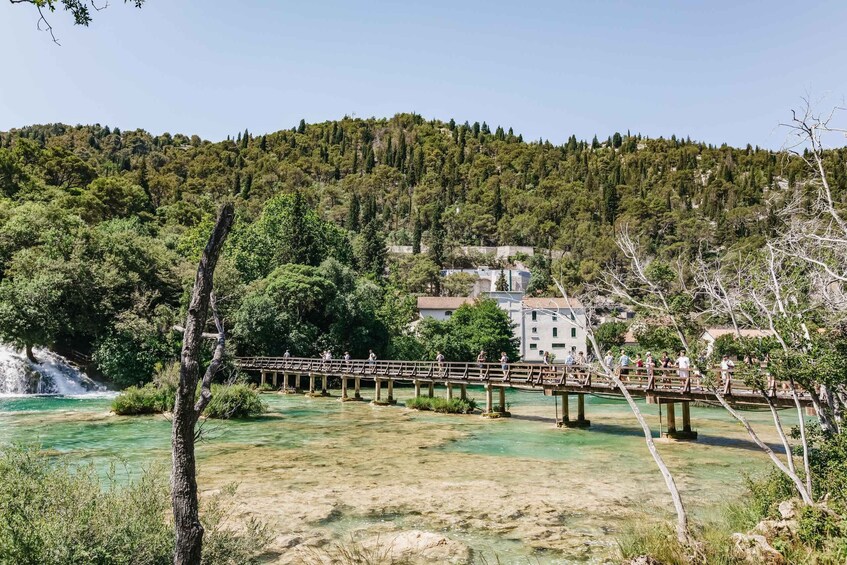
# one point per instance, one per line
(669, 386)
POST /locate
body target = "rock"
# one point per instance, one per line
(644, 560)
(418, 546)
(755, 549)
(773, 529)
(788, 509)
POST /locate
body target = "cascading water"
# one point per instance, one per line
(53, 374)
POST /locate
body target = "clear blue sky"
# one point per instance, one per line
(715, 71)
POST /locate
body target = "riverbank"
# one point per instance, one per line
(320, 471)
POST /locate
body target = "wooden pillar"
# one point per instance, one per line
(357, 392)
(489, 402)
(686, 417)
(502, 408)
(417, 388)
(580, 407)
(566, 409)
(391, 391)
(431, 391)
(298, 382)
(263, 377)
(323, 384)
(343, 387)
(671, 416)
(274, 378)
(311, 383)
(449, 391)
(580, 421)
(284, 381)
(463, 391)
(377, 390)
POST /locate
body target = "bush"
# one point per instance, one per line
(57, 513)
(453, 406)
(148, 399)
(237, 400)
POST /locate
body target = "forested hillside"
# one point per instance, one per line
(99, 227)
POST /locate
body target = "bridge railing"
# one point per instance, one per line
(646, 379)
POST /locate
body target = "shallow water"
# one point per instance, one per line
(320, 471)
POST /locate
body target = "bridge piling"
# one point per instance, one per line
(284, 381)
(580, 421)
(463, 391)
(501, 409)
(323, 386)
(449, 391)
(274, 378)
(431, 391)
(417, 388)
(357, 392)
(391, 391)
(344, 388)
(671, 432)
(262, 382)
(489, 403)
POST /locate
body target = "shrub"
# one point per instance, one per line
(54, 512)
(148, 399)
(452, 406)
(237, 400)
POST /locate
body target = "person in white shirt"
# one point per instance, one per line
(683, 363)
(726, 368)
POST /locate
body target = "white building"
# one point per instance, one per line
(440, 307)
(516, 279)
(541, 324)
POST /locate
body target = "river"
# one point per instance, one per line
(517, 490)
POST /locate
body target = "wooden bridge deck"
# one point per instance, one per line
(657, 385)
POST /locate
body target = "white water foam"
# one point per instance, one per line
(53, 374)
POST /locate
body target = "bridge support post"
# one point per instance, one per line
(449, 391)
(501, 409)
(357, 391)
(463, 391)
(417, 388)
(431, 391)
(274, 378)
(489, 403)
(580, 421)
(390, 391)
(285, 382)
(323, 386)
(686, 433)
(344, 388)
(298, 383)
(262, 382)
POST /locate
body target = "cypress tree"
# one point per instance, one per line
(417, 232)
(353, 213)
(301, 128)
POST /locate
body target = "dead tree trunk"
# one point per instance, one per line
(187, 408)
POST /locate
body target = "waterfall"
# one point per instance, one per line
(52, 375)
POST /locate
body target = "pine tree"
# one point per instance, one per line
(437, 236)
(353, 213)
(502, 284)
(301, 128)
(417, 232)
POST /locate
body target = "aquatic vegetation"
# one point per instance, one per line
(237, 400)
(147, 399)
(443, 405)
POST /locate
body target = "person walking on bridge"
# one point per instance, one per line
(439, 358)
(371, 360)
(683, 364)
(504, 364)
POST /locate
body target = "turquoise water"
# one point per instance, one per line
(517, 488)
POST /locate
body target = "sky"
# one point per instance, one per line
(714, 71)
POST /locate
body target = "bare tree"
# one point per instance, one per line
(188, 407)
(643, 286)
(79, 9)
(587, 303)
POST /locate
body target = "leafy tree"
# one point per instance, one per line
(540, 278)
(472, 328)
(610, 334)
(458, 284)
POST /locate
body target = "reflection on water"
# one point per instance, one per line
(321, 471)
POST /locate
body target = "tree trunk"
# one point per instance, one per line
(189, 531)
(29, 354)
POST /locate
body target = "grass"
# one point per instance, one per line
(238, 400)
(443, 405)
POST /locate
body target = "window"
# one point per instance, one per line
(573, 332)
(555, 332)
(534, 330)
(448, 313)
(555, 318)
(534, 316)
(533, 346)
(559, 346)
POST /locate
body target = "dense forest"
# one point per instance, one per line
(100, 228)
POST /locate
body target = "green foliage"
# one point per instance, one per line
(610, 334)
(443, 405)
(657, 337)
(238, 400)
(54, 512)
(148, 399)
(540, 278)
(481, 326)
